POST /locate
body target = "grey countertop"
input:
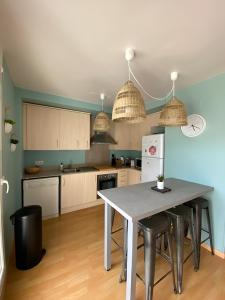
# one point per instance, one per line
(139, 201)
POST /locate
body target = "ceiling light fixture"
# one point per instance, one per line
(129, 105)
(173, 113)
(102, 122)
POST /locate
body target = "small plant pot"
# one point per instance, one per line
(8, 127)
(13, 147)
(160, 185)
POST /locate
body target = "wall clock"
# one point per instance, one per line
(196, 125)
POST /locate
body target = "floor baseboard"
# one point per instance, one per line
(216, 252)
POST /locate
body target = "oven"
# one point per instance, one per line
(106, 181)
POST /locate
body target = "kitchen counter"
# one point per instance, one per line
(55, 173)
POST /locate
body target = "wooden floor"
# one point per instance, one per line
(73, 267)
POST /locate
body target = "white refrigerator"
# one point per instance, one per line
(152, 157)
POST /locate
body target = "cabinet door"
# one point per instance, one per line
(134, 176)
(74, 130)
(72, 191)
(90, 187)
(84, 131)
(42, 128)
(77, 190)
(69, 130)
(135, 136)
(121, 134)
(122, 179)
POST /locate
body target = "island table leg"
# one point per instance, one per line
(131, 260)
(107, 237)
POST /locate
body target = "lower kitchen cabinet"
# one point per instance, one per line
(78, 191)
(122, 177)
(134, 176)
(128, 177)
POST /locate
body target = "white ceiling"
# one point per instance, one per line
(76, 48)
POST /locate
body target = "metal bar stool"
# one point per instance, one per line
(179, 216)
(198, 205)
(113, 231)
(152, 228)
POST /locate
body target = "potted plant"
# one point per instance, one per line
(9, 125)
(13, 143)
(160, 182)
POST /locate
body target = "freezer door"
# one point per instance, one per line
(151, 168)
(153, 146)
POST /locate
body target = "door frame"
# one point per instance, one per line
(2, 251)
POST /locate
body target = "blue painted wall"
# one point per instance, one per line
(202, 159)
(53, 158)
(11, 167)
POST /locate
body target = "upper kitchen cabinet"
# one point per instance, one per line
(74, 130)
(129, 136)
(48, 128)
(121, 134)
(41, 129)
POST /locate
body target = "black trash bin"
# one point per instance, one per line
(27, 223)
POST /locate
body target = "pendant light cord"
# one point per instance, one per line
(143, 89)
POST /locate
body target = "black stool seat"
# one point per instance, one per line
(155, 224)
(179, 211)
(201, 202)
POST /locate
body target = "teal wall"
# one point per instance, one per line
(202, 159)
(11, 167)
(53, 158)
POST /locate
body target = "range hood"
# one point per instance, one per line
(102, 138)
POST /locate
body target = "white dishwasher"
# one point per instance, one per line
(43, 192)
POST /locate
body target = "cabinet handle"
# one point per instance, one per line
(64, 181)
(57, 142)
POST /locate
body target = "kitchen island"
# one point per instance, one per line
(137, 202)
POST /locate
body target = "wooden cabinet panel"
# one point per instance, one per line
(129, 136)
(122, 177)
(134, 176)
(84, 131)
(78, 190)
(42, 128)
(121, 134)
(47, 128)
(69, 130)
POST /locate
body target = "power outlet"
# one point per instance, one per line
(39, 163)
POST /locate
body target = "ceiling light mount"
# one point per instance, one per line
(174, 76)
(129, 54)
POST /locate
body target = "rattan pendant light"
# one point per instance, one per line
(173, 113)
(102, 122)
(129, 105)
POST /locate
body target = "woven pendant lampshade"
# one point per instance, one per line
(173, 114)
(102, 122)
(129, 105)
